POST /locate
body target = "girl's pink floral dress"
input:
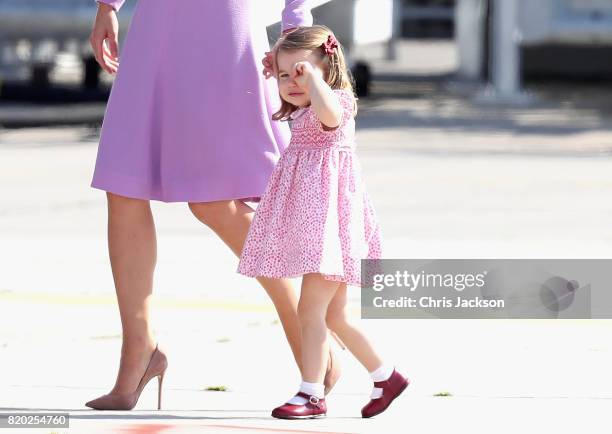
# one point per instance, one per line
(315, 215)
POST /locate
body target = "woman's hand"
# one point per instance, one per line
(106, 29)
(269, 62)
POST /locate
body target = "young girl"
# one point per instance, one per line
(315, 220)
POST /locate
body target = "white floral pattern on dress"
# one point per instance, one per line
(315, 215)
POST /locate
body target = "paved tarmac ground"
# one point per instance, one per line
(449, 179)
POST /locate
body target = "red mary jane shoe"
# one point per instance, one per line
(314, 408)
(392, 388)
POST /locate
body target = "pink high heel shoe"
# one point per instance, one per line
(114, 401)
(332, 374)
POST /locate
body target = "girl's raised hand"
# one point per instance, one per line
(302, 72)
(106, 29)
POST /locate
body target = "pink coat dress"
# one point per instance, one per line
(189, 114)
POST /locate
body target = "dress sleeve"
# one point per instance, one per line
(116, 4)
(296, 14)
(347, 101)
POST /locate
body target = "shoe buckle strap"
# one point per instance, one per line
(382, 384)
(311, 398)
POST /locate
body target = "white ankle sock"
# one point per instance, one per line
(381, 374)
(314, 389)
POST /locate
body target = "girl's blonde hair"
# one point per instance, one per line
(335, 71)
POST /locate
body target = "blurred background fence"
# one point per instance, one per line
(45, 54)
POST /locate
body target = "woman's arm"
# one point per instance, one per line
(296, 14)
(116, 4)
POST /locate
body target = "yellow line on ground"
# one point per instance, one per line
(176, 303)
(110, 300)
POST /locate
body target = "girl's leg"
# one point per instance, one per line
(133, 251)
(317, 293)
(357, 343)
(231, 220)
(388, 383)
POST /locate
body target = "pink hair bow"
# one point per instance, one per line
(330, 45)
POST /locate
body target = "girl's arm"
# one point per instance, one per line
(323, 100)
(115, 4)
(296, 14)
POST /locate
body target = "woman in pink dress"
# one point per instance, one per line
(188, 120)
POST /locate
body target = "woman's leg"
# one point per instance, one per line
(316, 294)
(354, 339)
(133, 252)
(231, 220)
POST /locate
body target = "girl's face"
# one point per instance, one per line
(289, 89)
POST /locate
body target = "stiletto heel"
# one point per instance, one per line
(338, 340)
(332, 374)
(160, 381)
(114, 401)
